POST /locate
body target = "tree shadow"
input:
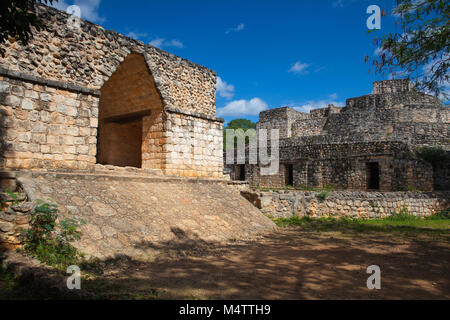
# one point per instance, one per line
(289, 265)
(352, 227)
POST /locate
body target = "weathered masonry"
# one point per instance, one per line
(373, 143)
(70, 100)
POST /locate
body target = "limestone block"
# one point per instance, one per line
(4, 87)
(13, 101)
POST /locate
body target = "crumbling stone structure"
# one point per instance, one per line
(75, 98)
(351, 204)
(370, 144)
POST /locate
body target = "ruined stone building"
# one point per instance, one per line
(107, 129)
(370, 144)
(72, 99)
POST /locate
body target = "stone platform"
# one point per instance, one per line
(132, 213)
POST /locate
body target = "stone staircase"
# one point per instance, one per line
(132, 212)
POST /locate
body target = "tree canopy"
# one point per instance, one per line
(243, 124)
(236, 124)
(421, 49)
(17, 17)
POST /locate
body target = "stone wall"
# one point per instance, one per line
(337, 145)
(14, 220)
(194, 145)
(400, 85)
(418, 124)
(395, 112)
(88, 58)
(60, 93)
(43, 126)
(285, 204)
(281, 119)
(344, 166)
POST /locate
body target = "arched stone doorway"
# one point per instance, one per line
(130, 117)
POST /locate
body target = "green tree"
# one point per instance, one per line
(421, 48)
(235, 124)
(241, 124)
(17, 17)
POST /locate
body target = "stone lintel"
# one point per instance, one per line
(47, 82)
(194, 114)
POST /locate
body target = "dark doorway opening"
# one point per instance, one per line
(289, 175)
(240, 172)
(120, 143)
(129, 110)
(373, 176)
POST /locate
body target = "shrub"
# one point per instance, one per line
(49, 241)
(444, 214)
(323, 195)
(401, 215)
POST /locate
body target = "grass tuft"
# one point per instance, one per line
(402, 222)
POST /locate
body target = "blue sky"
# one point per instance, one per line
(267, 54)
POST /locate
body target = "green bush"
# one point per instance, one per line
(323, 195)
(49, 241)
(402, 215)
(442, 215)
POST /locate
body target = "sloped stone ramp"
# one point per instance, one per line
(130, 215)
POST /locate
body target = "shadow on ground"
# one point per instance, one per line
(287, 264)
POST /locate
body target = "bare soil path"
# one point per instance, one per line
(287, 264)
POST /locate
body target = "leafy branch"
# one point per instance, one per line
(422, 48)
(17, 17)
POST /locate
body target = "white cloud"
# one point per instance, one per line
(89, 8)
(243, 108)
(224, 89)
(136, 35)
(317, 104)
(240, 27)
(174, 43)
(158, 42)
(299, 68)
(163, 43)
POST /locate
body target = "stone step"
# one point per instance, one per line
(114, 176)
(107, 169)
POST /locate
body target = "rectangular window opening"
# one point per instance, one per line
(373, 176)
(289, 175)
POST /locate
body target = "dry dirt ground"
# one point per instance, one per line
(287, 264)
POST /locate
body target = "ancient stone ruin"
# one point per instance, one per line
(370, 144)
(112, 130)
(72, 99)
(122, 134)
